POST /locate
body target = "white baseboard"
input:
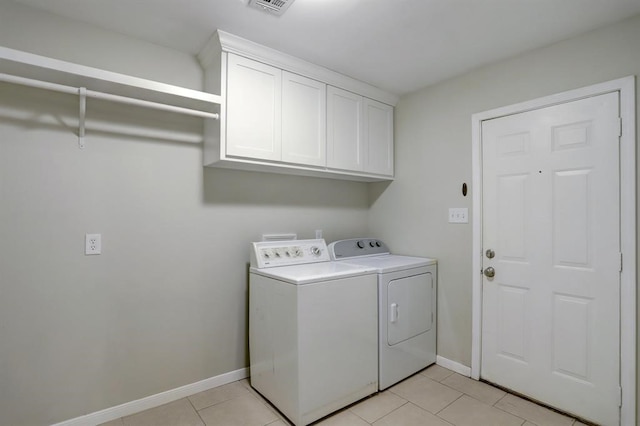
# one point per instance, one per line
(453, 366)
(156, 400)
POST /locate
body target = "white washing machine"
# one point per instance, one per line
(407, 295)
(312, 329)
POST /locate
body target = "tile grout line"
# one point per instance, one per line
(503, 397)
(482, 402)
(197, 412)
(451, 373)
(445, 407)
(406, 401)
(269, 405)
(360, 417)
(574, 420)
(395, 409)
(504, 411)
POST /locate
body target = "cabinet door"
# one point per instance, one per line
(378, 137)
(345, 140)
(304, 106)
(254, 97)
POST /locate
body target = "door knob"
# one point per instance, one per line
(490, 253)
(489, 272)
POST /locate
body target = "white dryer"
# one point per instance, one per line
(407, 295)
(312, 329)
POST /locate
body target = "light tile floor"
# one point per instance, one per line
(434, 397)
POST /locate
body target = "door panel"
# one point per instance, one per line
(571, 336)
(572, 237)
(513, 324)
(550, 326)
(512, 195)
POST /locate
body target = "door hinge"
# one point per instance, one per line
(620, 127)
(620, 262)
(619, 396)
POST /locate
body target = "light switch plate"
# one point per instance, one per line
(459, 215)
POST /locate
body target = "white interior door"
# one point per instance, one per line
(550, 209)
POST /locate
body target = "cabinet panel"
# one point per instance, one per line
(254, 96)
(303, 120)
(378, 137)
(345, 141)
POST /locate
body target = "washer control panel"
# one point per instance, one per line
(356, 247)
(267, 254)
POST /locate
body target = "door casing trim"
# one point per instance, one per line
(626, 87)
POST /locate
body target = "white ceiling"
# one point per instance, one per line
(397, 45)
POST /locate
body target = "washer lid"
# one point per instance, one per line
(314, 272)
(390, 262)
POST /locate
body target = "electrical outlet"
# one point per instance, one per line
(92, 244)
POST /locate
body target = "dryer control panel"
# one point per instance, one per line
(357, 247)
(267, 254)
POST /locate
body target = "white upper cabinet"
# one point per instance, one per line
(378, 134)
(345, 130)
(304, 106)
(359, 133)
(284, 115)
(254, 104)
(273, 114)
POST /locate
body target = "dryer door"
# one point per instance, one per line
(409, 307)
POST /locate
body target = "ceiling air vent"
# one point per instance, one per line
(274, 7)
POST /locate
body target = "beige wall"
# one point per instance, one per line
(433, 156)
(165, 305)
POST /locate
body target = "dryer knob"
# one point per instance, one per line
(360, 244)
(378, 244)
(371, 244)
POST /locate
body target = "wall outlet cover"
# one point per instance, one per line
(92, 244)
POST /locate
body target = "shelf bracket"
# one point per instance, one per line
(82, 92)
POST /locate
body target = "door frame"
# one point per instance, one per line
(626, 87)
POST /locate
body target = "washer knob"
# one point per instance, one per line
(378, 244)
(360, 244)
(315, 251)
(371, 244)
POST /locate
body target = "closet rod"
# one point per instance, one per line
(105, 96)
